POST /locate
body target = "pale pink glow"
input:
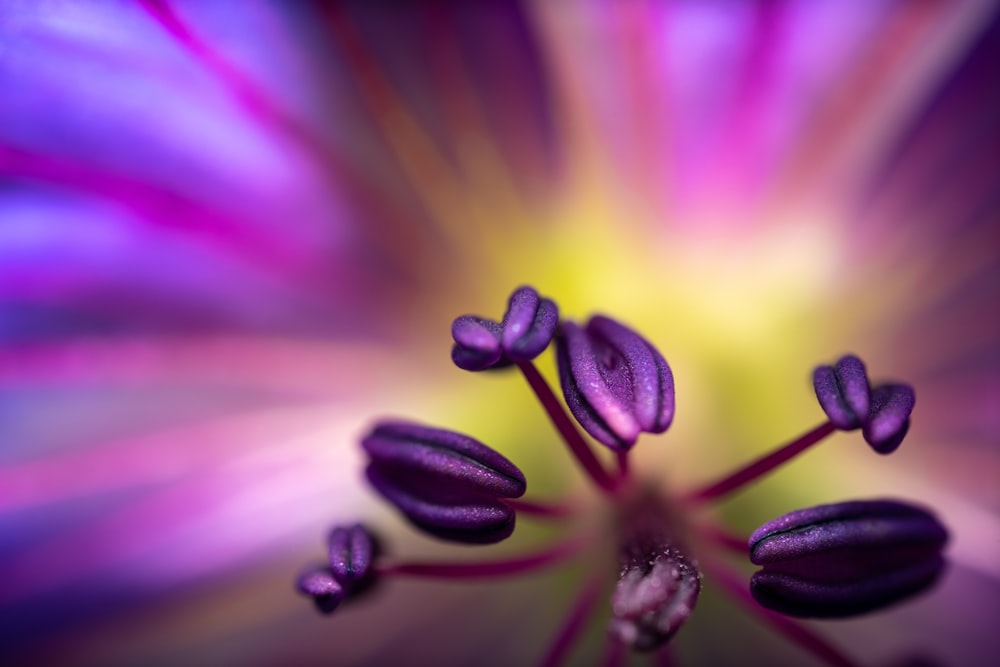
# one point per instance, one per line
(160, 458)
(207, 503)
(302, 367)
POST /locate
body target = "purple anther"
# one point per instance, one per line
(469, 520)
(616, 383)
(889, 417)
(847, 558)
(352, 550)
(477, 343)
(843, 392)
(528, 325)
(320, 584)
(445, 462)
(446, 483)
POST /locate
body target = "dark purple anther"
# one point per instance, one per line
(843, 392)
(889, 418)
(527, 328)
(615, 383)
(477, 343)
(446, 483)
(528, 325)
(320, 584)
(846, 559)
(352, 550)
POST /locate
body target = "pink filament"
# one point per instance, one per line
(761, 466)
(571, 435)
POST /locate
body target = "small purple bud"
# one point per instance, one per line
(319, 584)
(527, 328)
(616, 383)
(446, 483)
(477, 343)
(528, 325)
(889, 417)
(846, 559)
(843, 392)
(352, 550)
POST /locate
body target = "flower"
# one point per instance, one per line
(830, 561)
(232, 231)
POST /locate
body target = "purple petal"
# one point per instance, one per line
(352, 551)
(846, 558)
(889, 417)
(477, 343)
(481, 521)
(843, 392)
(616, 383)
(442, 464)
(319, 584)
(528, 325)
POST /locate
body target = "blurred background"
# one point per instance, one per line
(233, 234)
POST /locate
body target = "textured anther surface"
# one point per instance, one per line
(473, 520)
(443, 461)
(846, 558)
(528, 325)
(616, 384)
(320, 584)
(527, 328)
(446, 483)
(889, 417)
(843, 392)
(653, 597)
(477, 343)
(351, 552)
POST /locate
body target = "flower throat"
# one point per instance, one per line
(826, 561)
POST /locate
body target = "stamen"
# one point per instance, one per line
(615, 382)
(447, 484)
(889, 418)
(567, 429)
(487, 569)
(319, 584)
(351, 549)
(526, 330)
(761, 466)
(845, 559)
(581, 609)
